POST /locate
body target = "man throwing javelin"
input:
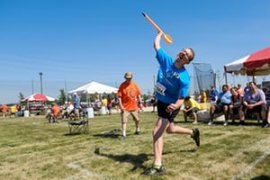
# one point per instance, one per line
(171, 89)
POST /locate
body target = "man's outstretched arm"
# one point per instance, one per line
(157, 41)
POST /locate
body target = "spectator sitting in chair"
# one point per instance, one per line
(67, 110)
(254, 101)
(55, 112)
(191, 108)
(213, 94)
(239, 90)
(246, 89)
(222, 105)
(236, 108)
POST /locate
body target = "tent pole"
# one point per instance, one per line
(226, 80)
(253, 77)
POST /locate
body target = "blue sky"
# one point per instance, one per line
(76, 41)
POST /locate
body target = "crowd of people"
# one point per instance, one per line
(76, 109)
(12, 110)
(234, 103)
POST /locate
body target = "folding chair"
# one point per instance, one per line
(80, 125)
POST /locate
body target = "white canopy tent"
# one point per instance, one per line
(94, 87)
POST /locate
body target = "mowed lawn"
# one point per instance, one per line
(31, 148)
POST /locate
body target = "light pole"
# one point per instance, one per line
(41, 87)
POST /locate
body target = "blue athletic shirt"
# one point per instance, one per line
(172, 83)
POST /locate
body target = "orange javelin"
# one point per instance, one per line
(166, 37)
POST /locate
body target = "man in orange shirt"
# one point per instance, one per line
(55, 112)
(4, 110)
(129, 96)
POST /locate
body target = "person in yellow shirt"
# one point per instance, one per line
(203, 97)
(104, 103)
(12, 110)
(191, 108)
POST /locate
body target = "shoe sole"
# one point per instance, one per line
(197, 137)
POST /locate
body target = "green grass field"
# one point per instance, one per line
(30, 148)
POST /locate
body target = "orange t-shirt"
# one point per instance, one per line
(4, 108)
(128, 92)
(55, 110)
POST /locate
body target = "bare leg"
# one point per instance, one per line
(158, 132)
(195, 118)
(173, 129)
(212, 110)
(231, 112)
(241, 114)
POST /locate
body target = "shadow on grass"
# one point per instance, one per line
(136, 160)
(181, 150)
(115, 133)
(221, 123)
(261, 177)
(76, 133)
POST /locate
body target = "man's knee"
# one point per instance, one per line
(170, 130)
(136, 120)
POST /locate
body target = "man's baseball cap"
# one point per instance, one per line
(128, 75)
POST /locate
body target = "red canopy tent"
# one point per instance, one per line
(37, 97)
(35, 102)
(254, 64)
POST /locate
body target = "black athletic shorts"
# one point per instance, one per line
(256, 109)
(161, 107)
(220, 107)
